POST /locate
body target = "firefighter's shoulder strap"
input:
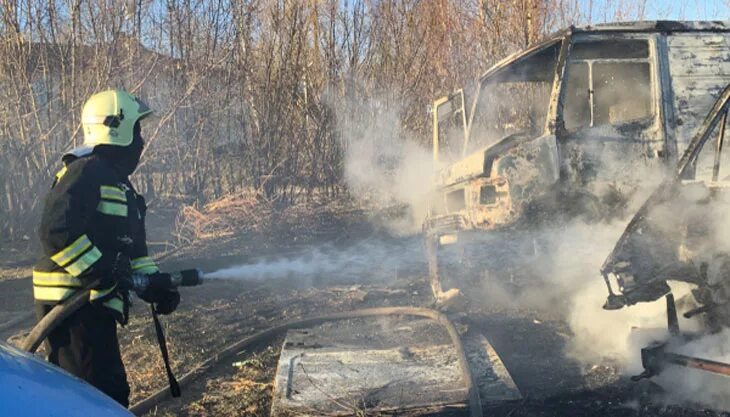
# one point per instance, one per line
(174, 387)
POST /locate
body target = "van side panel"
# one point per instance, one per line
(699, 65)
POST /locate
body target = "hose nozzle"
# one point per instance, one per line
(187, 278)
(184, 278)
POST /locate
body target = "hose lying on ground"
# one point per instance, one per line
(475, 406)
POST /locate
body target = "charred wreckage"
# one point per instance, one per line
(571, 128)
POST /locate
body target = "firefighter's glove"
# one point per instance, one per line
(167, 301)
(157, 289)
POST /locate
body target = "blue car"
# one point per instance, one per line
(30, 387)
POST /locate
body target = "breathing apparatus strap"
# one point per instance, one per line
(174, 387)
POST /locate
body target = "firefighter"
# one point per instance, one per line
(92, 228)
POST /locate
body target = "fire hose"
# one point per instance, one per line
(475, 405)
(57, 314)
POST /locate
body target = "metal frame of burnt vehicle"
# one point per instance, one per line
(562, 130)
(679, 235)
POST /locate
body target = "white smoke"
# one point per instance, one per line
(698, 218)
(566, 281)
(695, 223)
(385, 164)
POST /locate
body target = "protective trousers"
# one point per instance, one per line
(86, 345)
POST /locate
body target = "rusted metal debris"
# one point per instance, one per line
(655, 358)
(467, 380)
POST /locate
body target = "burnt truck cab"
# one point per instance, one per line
(569, 127)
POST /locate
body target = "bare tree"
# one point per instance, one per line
(244, 89)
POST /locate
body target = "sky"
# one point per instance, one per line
(606, 10)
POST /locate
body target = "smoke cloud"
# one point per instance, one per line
(698, 218)
(566, 282)
(385, 164)
(690, 227)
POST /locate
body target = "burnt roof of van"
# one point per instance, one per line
(662, 26)
(657, 26)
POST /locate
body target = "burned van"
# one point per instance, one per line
(569, 127)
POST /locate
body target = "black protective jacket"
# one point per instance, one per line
(92, 226)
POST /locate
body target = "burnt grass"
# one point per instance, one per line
(223, 311)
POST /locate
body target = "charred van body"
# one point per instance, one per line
(570, 127)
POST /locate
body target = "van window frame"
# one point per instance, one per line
(650, 60)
